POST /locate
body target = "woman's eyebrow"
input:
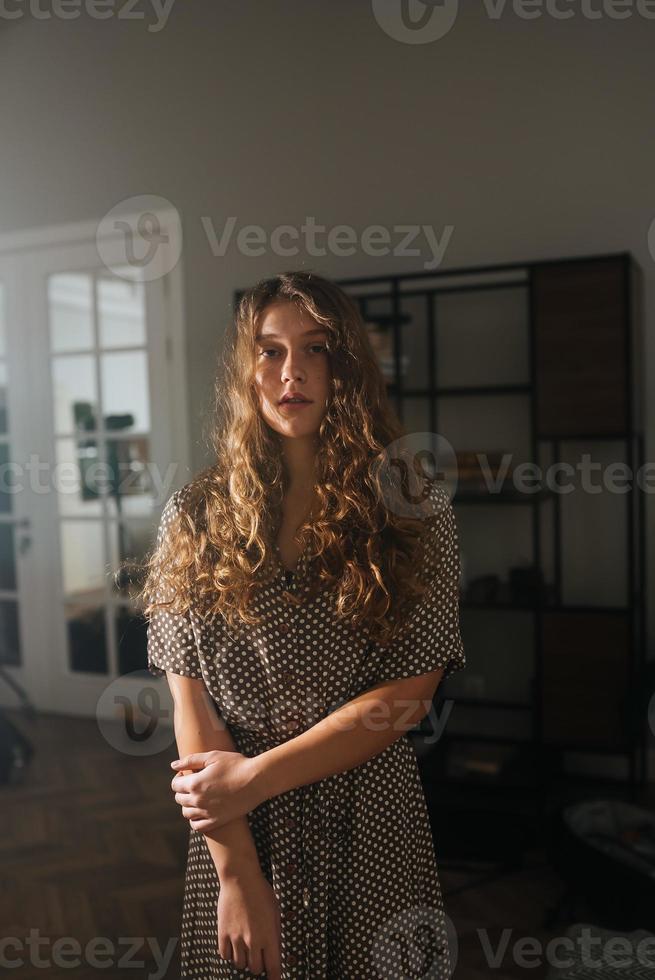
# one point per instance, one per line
(275, 336)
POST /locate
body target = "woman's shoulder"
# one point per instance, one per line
(440, 526)
(174, 503)
(182, 500)
(187, 498)
(436, 508)
(439, 496)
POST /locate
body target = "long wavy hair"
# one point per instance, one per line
(219, 547)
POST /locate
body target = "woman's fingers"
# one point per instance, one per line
(240, 953)
(186, 799)
(225, 947)
(256, 961)
(272, 963)
(204, 826)
(194, 813)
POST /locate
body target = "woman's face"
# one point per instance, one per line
(290, 355)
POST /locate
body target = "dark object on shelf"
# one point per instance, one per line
(386, 321)
(525, 583)
(605, 852)
(500, 595)
(475, 471)
(484, 763)
(484, 588)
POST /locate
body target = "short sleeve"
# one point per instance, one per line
(171, 638)
(431, 636)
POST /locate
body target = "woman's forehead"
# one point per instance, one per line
(285, 319)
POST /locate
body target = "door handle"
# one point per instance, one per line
(25, 539)
(24, 543)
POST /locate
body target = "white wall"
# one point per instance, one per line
(532, 137)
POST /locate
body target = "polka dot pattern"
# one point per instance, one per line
(350, 857)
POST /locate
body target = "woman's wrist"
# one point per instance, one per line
(262, 780)
(234, 854)
(239, 869)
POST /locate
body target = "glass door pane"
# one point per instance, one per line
(90, 399)
(99, 363)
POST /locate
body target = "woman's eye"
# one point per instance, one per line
(271, 350)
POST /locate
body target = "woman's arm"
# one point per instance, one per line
(349, 736)
(199, 728)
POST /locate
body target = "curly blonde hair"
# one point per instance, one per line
(219, 546)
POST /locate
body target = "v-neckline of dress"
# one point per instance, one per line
(290, 571)
(299, 563)
(301, 560)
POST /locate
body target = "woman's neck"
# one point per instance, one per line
(299, 456)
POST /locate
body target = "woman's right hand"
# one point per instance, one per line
(248, 922)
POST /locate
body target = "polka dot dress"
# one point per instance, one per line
(350, 857)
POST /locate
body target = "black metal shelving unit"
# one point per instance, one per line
(546, 283)
(601, 293)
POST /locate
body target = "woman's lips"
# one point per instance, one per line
(289, 404)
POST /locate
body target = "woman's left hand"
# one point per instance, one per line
(221, 788)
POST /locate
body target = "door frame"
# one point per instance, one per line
(39, 673)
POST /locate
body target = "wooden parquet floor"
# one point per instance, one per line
(92, 844)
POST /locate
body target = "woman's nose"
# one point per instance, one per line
(291, 369)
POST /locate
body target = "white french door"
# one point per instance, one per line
(93, 438)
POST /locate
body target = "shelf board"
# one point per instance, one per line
(491, 739)
(453, 391)
(491, 703)
(589, 749)
(545, 607)
(549, 746)
(503, 497)
(491, 782)
(462, 390)
(489, 604)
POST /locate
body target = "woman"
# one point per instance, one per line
(304, 622)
